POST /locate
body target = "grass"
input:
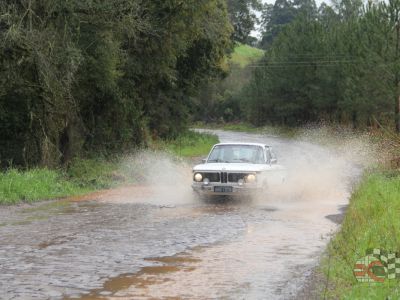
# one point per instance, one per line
(242, 127)
(245, 55)
(87, 175)
(372, 221)
(192, 144)
(94, 174)
(34, 185)
(249, 128)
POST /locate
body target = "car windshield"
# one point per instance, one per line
(237, 154)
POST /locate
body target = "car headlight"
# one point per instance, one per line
(198, 177)
(251, 178)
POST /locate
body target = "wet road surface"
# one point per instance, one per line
(159, 242)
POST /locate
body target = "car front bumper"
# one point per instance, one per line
(225, 189)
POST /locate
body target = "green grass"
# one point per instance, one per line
(242, 127)
(192, 144)
(95, 174)
(244, 55)
(372, 221)
(87, 175)
(33, 185)
(249, 128)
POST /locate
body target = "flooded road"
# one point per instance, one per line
(160, 242)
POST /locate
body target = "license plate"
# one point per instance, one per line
(223, 189)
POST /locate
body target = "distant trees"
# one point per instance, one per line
(283, 12)
(243, 18)
(339, 64)
(102, 75)
(216, 100)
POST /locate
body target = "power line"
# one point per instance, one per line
(311, 64)
(307, 62)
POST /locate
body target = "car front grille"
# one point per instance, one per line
(213, 177)
(224, 177)
(235, 177)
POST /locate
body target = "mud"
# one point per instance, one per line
(158, 242)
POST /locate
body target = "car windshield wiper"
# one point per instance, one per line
(217, 160)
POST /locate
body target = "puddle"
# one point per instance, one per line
(244, 268)
(134, 286)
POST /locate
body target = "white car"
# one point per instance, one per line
(237, 169)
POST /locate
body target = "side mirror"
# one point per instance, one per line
(273, 161)
(204, 160)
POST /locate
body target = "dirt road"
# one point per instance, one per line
(159, 242)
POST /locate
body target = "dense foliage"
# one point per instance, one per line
(338, 64)
(282, 12)
(218, 100)
(103, 74)
(243, 17)
(106, 75)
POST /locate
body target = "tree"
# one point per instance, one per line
(274, 18)
(393, 10)
(86, 75)
(338, 66)
(243, 18)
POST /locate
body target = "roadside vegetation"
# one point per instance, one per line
(36, 184)
(371, 221)
(86, 175)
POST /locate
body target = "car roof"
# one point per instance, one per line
(248, 144)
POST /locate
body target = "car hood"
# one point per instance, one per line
(230, 167)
